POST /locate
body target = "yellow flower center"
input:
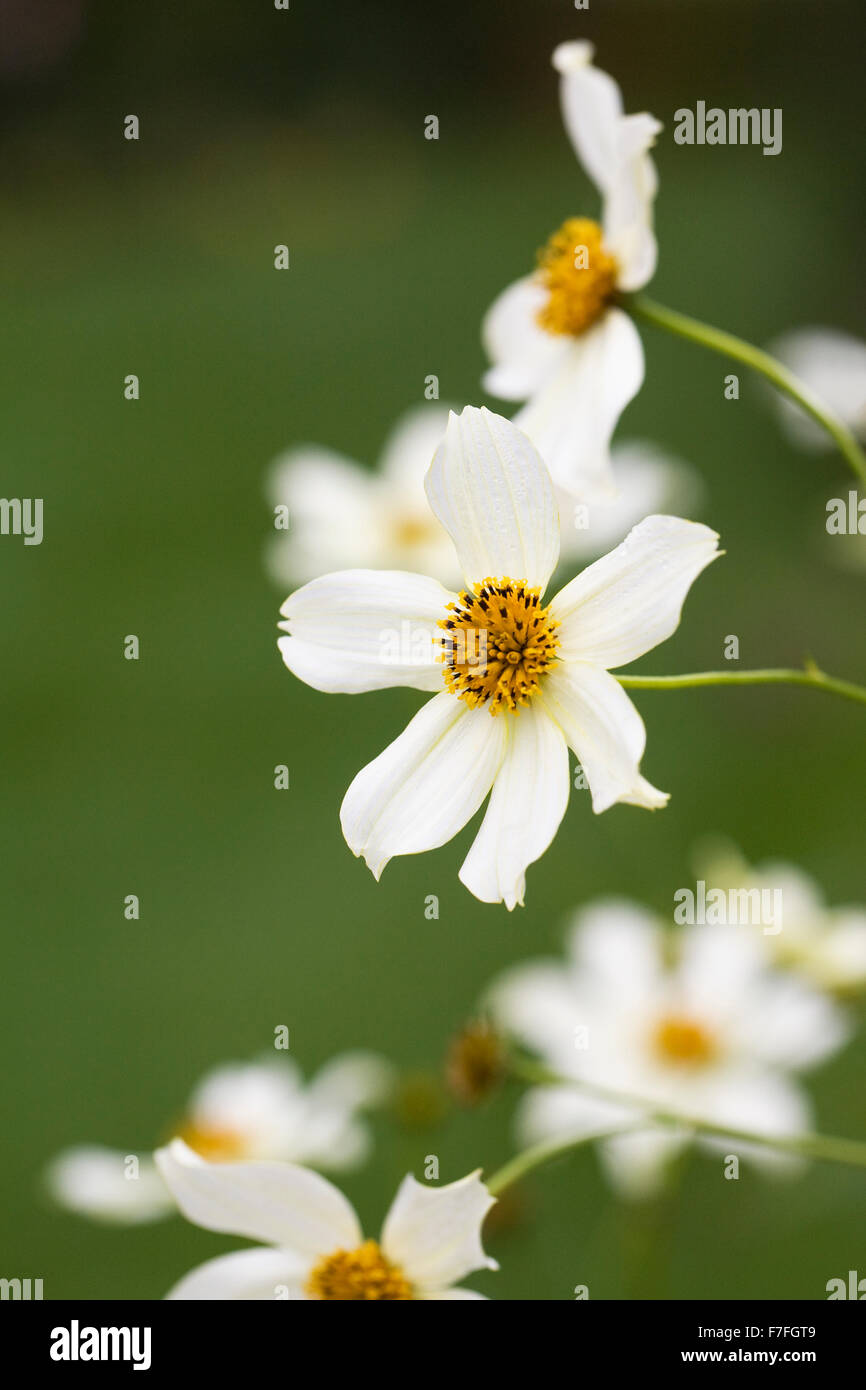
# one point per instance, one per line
(579, 275)
(361, 1274)
(683, 1041)
(498, 643)
(410, 531)
(216, 1145)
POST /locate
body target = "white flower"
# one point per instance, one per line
(542, 672)
(557, 338)
(342, 515)
(833, 365)
(430, 1240)
(648, 480)
(242, 1110)
(828, 945)
(714, 1037)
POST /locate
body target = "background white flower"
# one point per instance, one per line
(556, 338)
(833, 364)
(826, 944)
(241, 1110)
(343, 515)
(430, 1240)
(648, 480)
(516, 683)
(717, 1036)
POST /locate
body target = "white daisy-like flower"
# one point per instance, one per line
(431, 1238)
(242, 1110)
(826, 944)
(648, 479)
(833, 365)
(518, 681)
(716, 1036)
(342, 515)
(557, 338)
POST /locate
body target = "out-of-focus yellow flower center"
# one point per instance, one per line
(361, 1274)
(579, 275)
(683, 1041)
(410, 531)
(498, 642)
(216, 1145)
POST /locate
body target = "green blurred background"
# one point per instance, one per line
(156, 777)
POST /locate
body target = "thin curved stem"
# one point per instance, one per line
(717, 340)
(809, 676)
(827, 1148)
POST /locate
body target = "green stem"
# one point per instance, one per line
(730, 346)
(810, 676)
(827, 1148)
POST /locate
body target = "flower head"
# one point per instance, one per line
(825, 944)
(518, 678)
(714, 1035)
(341, 514)
(557, 338)
(238, 1111)
(430, 1240)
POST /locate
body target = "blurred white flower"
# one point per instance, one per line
(828, 945)
(648, 480)
(242, 1110)
(343, 516)
(716, 1036)
(833, 365)
(430, 1240)
(494, 650)
(557, 338)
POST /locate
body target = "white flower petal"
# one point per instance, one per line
(591, 111)
(565, 1112)
(434, 1233)
(838, 957)
(245, 1275)
(630, 600)
(647, 480)
(333, 517)
(362, 630)
(573, 414)
(628, 203)
(494, 496)
(438, 1295)
(260, 1102)
(537, 1004)
(526, 805)
(523, 353)
(93, 1181)
(637, 1163)
(426, 785)
(606, 732)
(277, 1203)
(788, 1024)
(353, 1080)
(619, 944)
(833, 365)
(765, 1102)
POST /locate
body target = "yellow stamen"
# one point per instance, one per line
(579, 275)
(684, 1041)
(216, 1145)
(361, 1274)
(498, 644)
